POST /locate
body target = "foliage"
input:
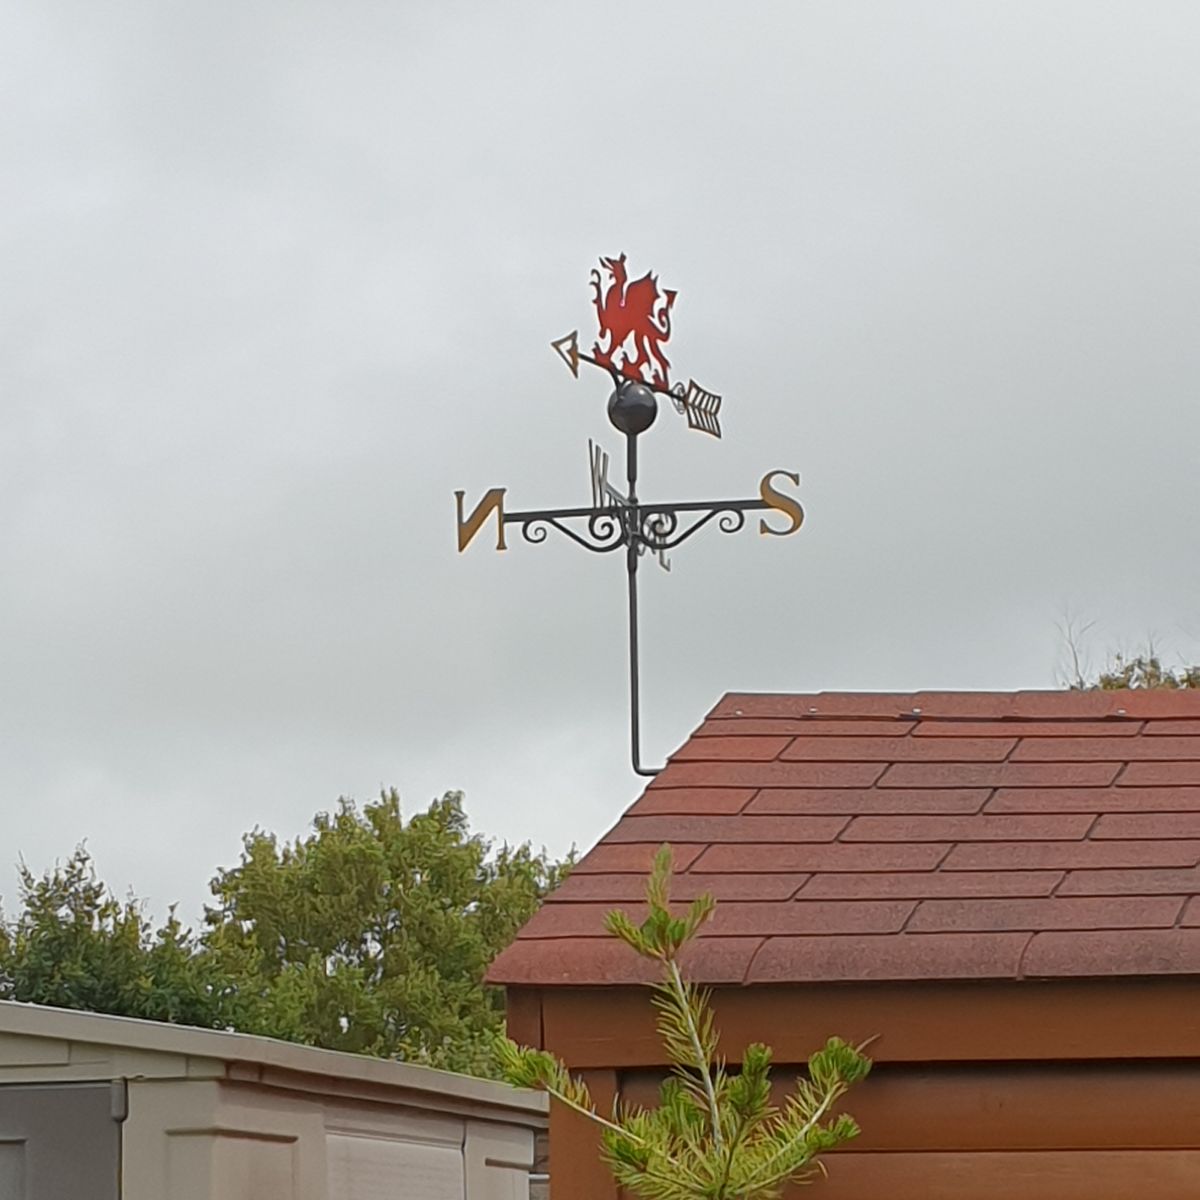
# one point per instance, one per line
(1145, 671)
(372, 934)
(715, 1134)
(75, 945)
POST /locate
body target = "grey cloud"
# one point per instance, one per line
(280, 277)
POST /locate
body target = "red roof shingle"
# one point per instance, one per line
(931, 836)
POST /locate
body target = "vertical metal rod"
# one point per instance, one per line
(631, 566)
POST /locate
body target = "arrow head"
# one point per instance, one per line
(567, 348)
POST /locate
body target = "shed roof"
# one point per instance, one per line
(932, 836)
(74, 1040)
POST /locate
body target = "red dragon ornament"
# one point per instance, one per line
(635, 318)
(635, 323)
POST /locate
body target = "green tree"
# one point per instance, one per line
(715, 1134)
(372, 934)
(1144, 670)
(75, 945)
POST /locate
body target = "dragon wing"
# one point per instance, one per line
(642, 295)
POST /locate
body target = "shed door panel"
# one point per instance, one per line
(367, 1168)
(59, 1141)
(12, 1171)
(1002, 1175)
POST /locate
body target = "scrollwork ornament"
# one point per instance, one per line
(732, 520)
(657, 529)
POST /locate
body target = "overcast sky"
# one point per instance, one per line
(278, 278)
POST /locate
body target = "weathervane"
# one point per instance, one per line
(635, 324)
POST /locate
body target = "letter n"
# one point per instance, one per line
(493, 500)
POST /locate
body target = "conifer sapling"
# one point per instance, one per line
(715, 1134)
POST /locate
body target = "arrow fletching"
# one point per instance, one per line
(700, 407)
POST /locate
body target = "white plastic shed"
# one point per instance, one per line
(106, 1108)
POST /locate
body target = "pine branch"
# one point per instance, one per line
(763, 1176)
(591, 1114)
(702, 1058)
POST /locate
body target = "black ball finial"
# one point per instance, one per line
(632, 407)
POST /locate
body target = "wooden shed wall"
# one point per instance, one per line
(1046, 1092)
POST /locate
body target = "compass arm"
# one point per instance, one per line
(652, 528)
(600, 530)
(660, 524)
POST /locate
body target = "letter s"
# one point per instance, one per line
(777, 500)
